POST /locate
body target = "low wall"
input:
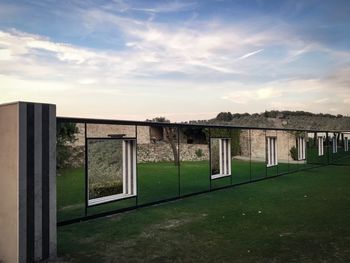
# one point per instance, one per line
(150, 152)
(158, 152)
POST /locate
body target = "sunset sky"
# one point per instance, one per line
(179, 59)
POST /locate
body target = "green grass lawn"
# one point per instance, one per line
(159, 181)
(300, 217)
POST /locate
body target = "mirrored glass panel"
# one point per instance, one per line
(240, 153)
(111, 173)
(158, 163)
(110, 131)
(272, 153)
(283, 150)
(220, 157)
(258, 154)
(194, 160)
(312, 143)
(70, 170)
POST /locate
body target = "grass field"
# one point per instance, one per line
(300, 217)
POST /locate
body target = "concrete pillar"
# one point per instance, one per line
(27, 182)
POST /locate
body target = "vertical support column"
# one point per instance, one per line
(28, 176)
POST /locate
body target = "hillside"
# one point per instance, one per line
(283, 119)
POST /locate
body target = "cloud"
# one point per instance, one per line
(167, 7)
(207, 61)
(244, 96)
(150, 7)
(5, 54)
(250, 54)
(321, 101)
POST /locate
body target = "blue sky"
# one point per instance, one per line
(179, 59)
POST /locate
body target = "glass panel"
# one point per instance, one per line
(215, 156)
(294, 163)
(331, 147)
(346, 159)
(342, 155)
(300, 138)
(194, 157)
(70, 171)
(220, 153)
(322, 145)
(283, 150)
(258, 154)
(110, 131)
(272, 170)
(105, 168)
(157, 158)
(312, 158)
(240, 151)
(340, 139)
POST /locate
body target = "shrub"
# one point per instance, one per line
(199, 153)
(105, 189)
(294, 153)
(215, 157)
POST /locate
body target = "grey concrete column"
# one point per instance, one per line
(28, 182)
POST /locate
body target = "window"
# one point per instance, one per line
(220, 157)
(346, 144)
(335, 144)
(111, 169)
(129, 167)
(320, 146)
(301, 148)
(271, 151)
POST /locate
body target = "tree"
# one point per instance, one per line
(171, 136)
(66, 134)
(224, 116)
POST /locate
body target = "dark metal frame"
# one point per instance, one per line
(137, 124)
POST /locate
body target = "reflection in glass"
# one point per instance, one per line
(194, 159)
(220, 157)
(240, 151)
(258, 154)
(158, 163)
(111, 169)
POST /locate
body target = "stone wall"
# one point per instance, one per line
(285, 141)
(161, 151)
(103, 130)
(244, 143)
(150, 152)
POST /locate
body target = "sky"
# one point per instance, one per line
(182, 59)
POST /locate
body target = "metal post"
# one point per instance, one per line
(86, 171)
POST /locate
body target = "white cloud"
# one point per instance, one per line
(250, 54)
(321, 101)
(152, 7)
(5, 54)
(167, 7)
(249, 96)
(168, 63)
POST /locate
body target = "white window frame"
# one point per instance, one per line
(129, 175)
(271, 151)
(224, 158)
(335, 144)
(320, 141)
(346, 144)
(301, 146)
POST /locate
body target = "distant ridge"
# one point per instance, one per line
(283, 119)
